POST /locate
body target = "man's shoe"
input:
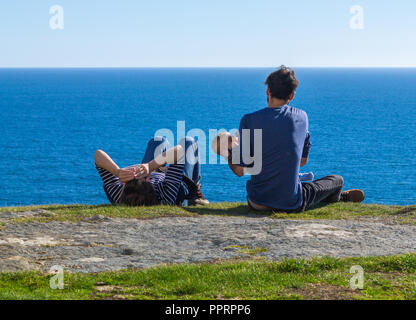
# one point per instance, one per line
(355, 195)
(199, 199)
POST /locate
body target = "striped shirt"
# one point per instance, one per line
(166, 185)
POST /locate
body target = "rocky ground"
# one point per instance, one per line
(101, 243)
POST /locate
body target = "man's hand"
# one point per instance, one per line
(239, 171)
(304, 162)
(125, 175)
(143, 171)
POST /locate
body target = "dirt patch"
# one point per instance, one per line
(36, 241)
(91, 259)
(19, 263)
(108, 288)
(26, 214)
(324, 291)
(221, 297)
(406, 211)
(317, 230)
(110, 292)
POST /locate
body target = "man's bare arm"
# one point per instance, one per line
(239, 171)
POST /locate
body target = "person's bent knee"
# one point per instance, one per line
(340, 179)
(188, 141)
(157, 139)
(97, 153)
(337, 178)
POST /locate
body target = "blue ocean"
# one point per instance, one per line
(362, 124)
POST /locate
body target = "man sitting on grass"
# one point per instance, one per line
(285, 148)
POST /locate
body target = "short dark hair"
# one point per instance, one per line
(282, 83)
(139, 193)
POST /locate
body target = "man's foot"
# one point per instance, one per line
(355, 195)
(199, 199)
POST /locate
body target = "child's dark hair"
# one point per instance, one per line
(282, 83)
(139, 193)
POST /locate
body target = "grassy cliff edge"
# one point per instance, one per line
(391, 277)
(389, 213)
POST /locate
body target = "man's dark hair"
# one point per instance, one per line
(282, 83)
(139, 193)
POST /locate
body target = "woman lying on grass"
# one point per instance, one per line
(151, 183)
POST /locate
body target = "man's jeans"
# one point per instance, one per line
(327, 190)
(192, 167)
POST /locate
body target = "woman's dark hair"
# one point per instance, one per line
(139, 193)
(282, 83)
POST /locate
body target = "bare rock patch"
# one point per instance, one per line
(115, 244)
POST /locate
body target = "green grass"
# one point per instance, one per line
(397, 214)
(318, 278)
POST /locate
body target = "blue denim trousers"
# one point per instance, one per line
(192, 166)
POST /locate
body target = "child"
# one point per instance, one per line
(225, 141)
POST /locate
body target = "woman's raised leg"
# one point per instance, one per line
(155, 148)
(192, 168)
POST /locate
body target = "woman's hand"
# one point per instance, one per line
(143, 171)
(125, 175)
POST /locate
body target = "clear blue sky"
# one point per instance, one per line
(195, 33)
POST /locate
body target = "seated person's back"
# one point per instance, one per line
(284, 133)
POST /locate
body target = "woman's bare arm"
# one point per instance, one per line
(170, 156)
(103, 160)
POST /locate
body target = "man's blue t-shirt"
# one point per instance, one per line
(285, 140)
